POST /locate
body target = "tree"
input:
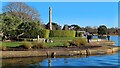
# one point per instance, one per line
(9, 25)
(71, 27)
(102, 30)
(19, 19)
(13, 27)
(29, 29)
(90, 29)
(75, 27)
(65, 27)
(22, 10)
(55, 26)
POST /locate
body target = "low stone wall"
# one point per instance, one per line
(52, 53)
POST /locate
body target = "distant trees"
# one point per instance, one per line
(65, 27)
(75, 27)
(102, 30)
(114, 31)
(71, 27)
(55, 26)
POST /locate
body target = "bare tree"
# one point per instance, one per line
(22, 10)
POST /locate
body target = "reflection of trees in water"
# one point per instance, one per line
(36, 61)
(21, 62)
(18, 66)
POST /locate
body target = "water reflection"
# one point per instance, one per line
(49, 62)
(38, 62)
(32, 61)
(24, 62)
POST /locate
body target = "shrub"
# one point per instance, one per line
(66, 44)
(78, 34)
(27, 44)
(38, 44)
(4, 48)
(0, 47)
(79, 42)
(62, 33)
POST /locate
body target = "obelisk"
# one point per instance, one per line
(50, 18)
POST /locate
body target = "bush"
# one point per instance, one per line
(66, 44)
(38, 44)
(3, 47)
(62, 33)
(0, 47)
(27, 44)
(79, 42)
(78, 34)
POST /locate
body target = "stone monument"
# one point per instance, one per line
(50, 18)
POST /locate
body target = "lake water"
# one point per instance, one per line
(116, 39)
(113, 38)
(80, 61)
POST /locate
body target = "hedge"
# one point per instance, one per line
(46, 35)
(62, 33)
(43, 33)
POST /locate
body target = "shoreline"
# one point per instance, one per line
(94, 48)
(110, 35)
(51, 53)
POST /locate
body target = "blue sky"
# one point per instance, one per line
(80, 13)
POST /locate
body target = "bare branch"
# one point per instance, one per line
(22, 10)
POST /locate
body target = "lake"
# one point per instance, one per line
(113, 38)
(75, 61)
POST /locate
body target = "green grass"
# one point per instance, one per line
(54, 44)
(62, 39)
(58, 41)
(94, 38)
(14, 44)
(11, 44)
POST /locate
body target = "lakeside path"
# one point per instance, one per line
(93, 48)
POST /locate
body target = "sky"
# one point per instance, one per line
(59, 0)
(79, 13)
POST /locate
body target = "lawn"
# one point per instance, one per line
(54, 44)
(62, 39)
(14, 44)
(58, 41)
(11, 44)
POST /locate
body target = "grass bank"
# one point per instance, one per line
(11, 44)
(62, 39)
(58, 41)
